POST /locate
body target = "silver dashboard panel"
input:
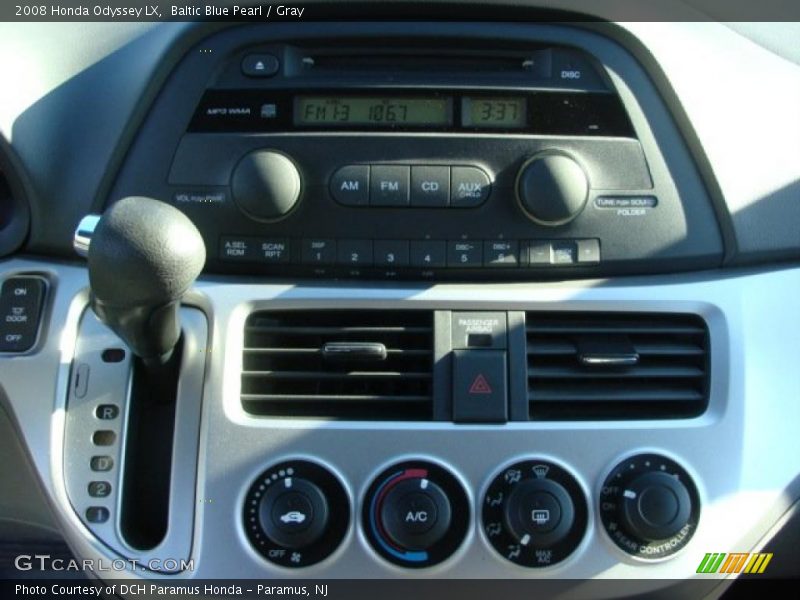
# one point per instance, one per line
(744, 453)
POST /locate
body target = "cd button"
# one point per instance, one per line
(469, 187)
(430, 186)
(389, 185)
(350, 185)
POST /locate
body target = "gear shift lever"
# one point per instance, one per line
(143, 255)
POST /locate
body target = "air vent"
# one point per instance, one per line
(616, 366)
(357, 365)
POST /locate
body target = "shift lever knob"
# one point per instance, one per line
(143, 255)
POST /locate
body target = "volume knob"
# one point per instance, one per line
(552, 188)
(265, 185)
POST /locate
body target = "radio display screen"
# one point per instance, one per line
(372, 111)
(494, 112)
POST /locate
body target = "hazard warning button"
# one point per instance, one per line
(479, 386)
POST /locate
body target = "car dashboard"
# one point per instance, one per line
(479, 300)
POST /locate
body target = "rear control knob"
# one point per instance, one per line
(265, 185)
(534, 513)
(552, 188)
(416, 514)
(296, 513)
(649, 506)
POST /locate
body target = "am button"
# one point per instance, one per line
(350, 185)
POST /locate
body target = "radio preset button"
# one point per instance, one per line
(464, 254)
(355, 253)
(389, 185)
(350, 185)
(430, 186)
(428, 254)
(319, 252)
(391, 253)
(501, 254)
(469, 187)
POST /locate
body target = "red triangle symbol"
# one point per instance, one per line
(480, 385)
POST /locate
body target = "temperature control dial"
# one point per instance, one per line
(534, 513)
(296, 513)
(649, 506)
(416, 514)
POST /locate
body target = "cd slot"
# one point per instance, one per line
(424, 63)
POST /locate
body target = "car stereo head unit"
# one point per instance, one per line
(423, 160)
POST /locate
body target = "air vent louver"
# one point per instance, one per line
(355, 365)
(616, 366)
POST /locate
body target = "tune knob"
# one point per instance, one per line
(649, 506)
(416, 514)
(534, 513)
(296, 513)
(265, 185)
(552, 188)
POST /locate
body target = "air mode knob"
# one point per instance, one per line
(649, 506)
(534, 513)
(552, 188)
(266, 185)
